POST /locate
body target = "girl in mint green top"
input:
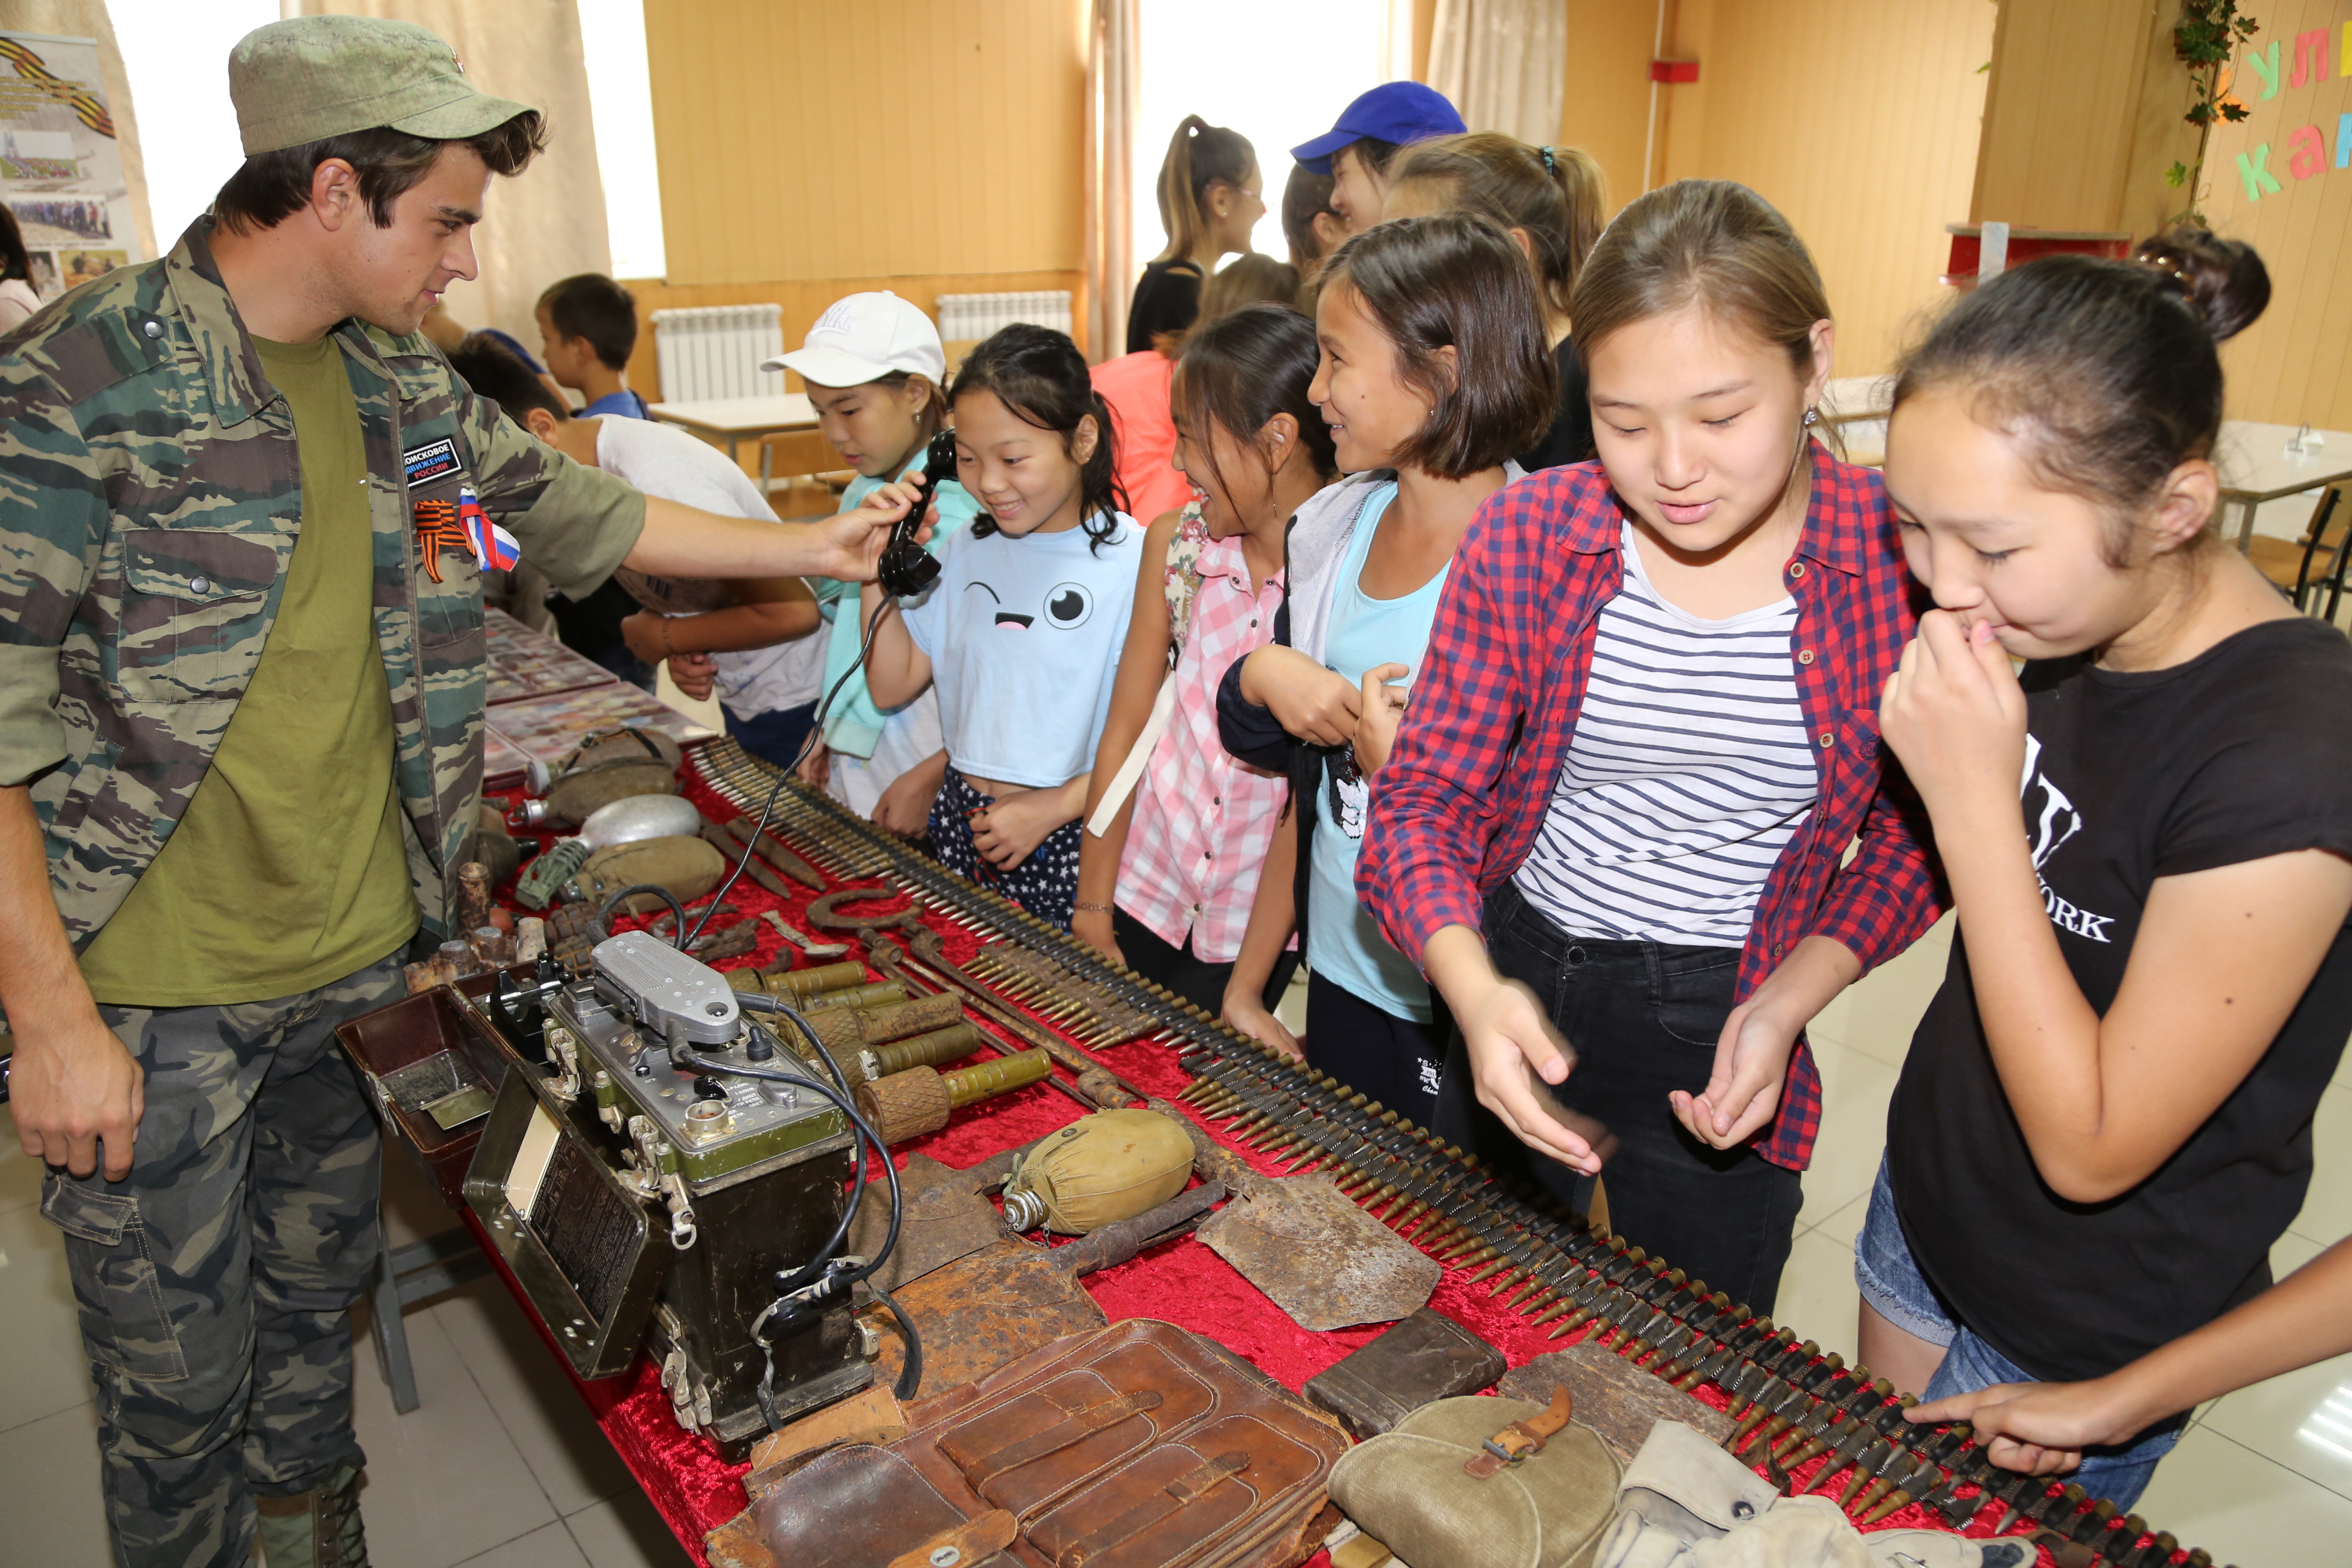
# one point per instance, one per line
(876, 375)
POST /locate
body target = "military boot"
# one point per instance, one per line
(316, 1528)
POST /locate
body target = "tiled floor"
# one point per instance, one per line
(501, 1468)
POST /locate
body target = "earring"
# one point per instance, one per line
(1812, 417)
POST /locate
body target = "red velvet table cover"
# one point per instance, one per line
(1181, 1282)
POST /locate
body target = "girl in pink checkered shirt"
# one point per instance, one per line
(1166, 883)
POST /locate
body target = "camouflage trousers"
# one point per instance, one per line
(215, 1282)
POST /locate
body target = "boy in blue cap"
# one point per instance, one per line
(1357, 150)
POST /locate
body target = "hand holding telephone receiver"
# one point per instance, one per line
(906, 568)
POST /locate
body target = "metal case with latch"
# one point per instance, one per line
(627, 1197)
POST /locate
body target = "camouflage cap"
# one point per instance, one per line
(310, 77)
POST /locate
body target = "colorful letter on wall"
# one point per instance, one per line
(2267, 68)
(2344, 52)
(2310, 58)
(2306, 152)
(2344, 140)
(2253, 170)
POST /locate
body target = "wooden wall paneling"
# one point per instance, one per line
(2291, 366)
(803, 141)
(1606, 107)
(1859, 119)
(1678, 147)
(2062, 111)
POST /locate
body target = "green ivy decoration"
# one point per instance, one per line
(2206, 41)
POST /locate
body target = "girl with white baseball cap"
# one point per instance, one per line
(876, 375)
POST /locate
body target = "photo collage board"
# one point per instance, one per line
(60, 167)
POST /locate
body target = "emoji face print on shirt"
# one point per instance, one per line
(1066, 607)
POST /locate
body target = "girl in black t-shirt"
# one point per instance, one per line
(1211, 196)
(2105, 1119)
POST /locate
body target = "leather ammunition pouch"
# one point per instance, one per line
(1137, 1446)
(1482, 1483)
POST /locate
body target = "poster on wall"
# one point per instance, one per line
(60, 168)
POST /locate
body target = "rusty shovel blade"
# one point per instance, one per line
(1321, 1259)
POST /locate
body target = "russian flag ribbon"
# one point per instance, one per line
(493, 548)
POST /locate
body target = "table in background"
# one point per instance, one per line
(2257, 467)
(729, 422)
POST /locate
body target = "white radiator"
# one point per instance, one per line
(969, 315)
(715, 351)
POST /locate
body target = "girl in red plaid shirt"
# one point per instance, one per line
(1619, 826)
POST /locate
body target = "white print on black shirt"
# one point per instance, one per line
(2054, 820)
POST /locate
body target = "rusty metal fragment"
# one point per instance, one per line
(1321, 1259)
(995, 1306)
(945, 1217)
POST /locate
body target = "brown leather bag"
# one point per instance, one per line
(1137, 1446)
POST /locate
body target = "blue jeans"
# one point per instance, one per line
(1891, 1284)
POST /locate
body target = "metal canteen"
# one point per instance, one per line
(640, 817)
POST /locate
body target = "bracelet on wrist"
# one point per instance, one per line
(1092, 909)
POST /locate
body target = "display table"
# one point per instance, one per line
(1181, 1281)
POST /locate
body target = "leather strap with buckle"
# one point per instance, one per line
(1513, 1443)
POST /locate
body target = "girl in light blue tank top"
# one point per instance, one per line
(1435, 368)
(1343, 944)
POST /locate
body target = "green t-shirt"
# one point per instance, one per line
(288, 871)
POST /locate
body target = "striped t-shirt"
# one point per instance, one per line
(1690, 769)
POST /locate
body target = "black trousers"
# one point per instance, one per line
(1644, 1018)
(1394, 1061)
(1184, 972)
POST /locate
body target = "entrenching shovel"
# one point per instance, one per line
(1320, 1258)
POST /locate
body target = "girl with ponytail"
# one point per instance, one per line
(1553, 202)
(2104, 1119)
(1210, 197)
(1022, 629)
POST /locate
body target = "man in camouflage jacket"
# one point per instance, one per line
(154, 494)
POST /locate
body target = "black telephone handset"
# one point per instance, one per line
(906, 568)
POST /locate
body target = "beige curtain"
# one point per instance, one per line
(88, 19)
(1502, 63)
(1113, 89)
(549, 222)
